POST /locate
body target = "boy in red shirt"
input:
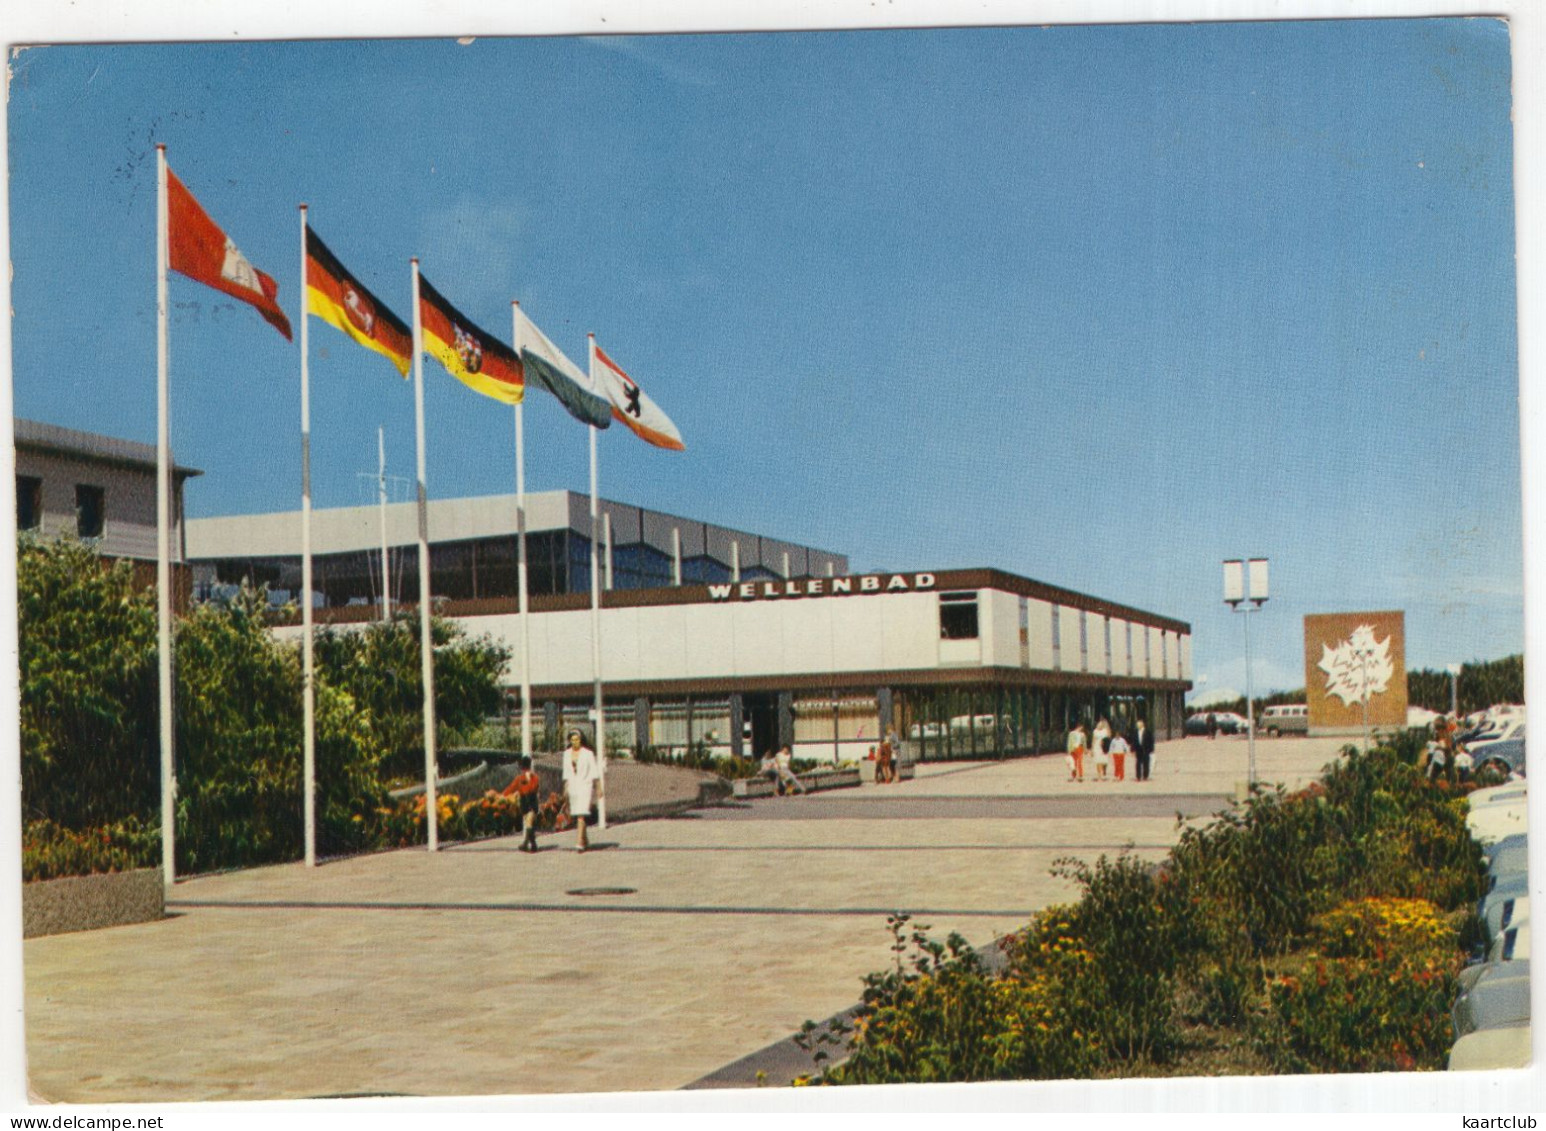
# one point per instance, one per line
(524, 787)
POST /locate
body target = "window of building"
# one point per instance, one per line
(90, 509)
(1164, 656)
(1057, 638)
(1129, 647)
(958, 616)
(1084, 641)
(29, 502)
(1107, 623)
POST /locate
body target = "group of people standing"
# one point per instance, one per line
(1108, 750)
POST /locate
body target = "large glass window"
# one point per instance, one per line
(1084, 642)
(29, 502)
(1057, 638)
(90, 510)
(704, 570)
(958, 616)
(640, 566)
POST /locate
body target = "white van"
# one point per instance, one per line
(1286, 718)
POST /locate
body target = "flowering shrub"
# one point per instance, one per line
(491, 815)
(943, 1016)
(1372, 928)
(49, 851)
(1373, 997)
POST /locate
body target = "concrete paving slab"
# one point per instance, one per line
(476, 970)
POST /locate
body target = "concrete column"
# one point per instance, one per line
(786, 719)
(737, 725)
(883, 710)
(786, 565)
(676, 555)
(550, 720)
(735, 562)
(641, 724)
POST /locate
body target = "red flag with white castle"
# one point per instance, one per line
(633, 407)
(198, 249)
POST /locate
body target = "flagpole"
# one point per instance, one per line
(595, 604)
(381, 499)
(163, 532)
(426, 638)
(520, 535)
(308, 668)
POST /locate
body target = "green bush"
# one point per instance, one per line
(86, 638)
(380, 668)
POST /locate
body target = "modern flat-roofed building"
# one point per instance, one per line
(732, 642)
(963, 664)
(473, 550)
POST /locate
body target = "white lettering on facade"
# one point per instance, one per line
(823, 586)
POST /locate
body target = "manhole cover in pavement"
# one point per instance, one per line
(604, 891)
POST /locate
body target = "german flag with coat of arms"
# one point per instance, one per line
(341, 300)
(478, 360)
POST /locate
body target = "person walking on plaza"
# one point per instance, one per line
(781, 764)
(1118, 750)
(581, 773)
(1100, 741)
(1076, 746)
(1143, 749)
(524, 788)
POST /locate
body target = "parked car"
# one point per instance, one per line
(1498, 999)
(1498, 794)
(1492, 823)
(1286, 718)
(1489, 1049)
(1505, 757)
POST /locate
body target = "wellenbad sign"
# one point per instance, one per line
(823, 586)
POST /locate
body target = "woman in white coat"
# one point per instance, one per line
(581, 774)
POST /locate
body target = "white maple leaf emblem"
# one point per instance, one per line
(1359, 668)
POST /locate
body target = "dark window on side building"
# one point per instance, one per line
(90, 510)
(29, 502)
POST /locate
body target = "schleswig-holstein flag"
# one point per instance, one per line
(633, 407)
(560, 376)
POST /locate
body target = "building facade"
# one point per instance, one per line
(474, 554)
(962, 664)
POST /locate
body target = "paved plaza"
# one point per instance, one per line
(679, 946)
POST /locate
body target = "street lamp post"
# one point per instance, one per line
(1245, 591)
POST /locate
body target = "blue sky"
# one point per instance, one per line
(1101, 306)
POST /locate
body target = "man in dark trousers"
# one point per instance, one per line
(1142, 742)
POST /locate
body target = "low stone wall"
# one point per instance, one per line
(812, 780)
(84, 903)
(904, 771)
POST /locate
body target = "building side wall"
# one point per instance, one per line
(129, 502)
